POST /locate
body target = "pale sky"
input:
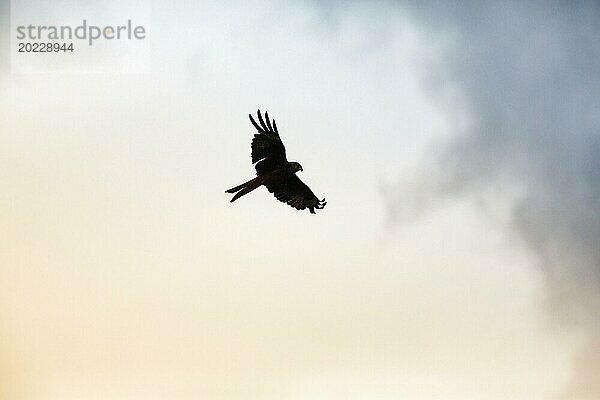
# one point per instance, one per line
(125, 273)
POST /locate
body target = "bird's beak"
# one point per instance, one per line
(301, 169)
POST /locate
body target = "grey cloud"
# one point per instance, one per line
(530, 73)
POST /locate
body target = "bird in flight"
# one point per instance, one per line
(274, 171)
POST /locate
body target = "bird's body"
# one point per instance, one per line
(274, 171)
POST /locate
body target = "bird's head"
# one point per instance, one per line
(296, 166)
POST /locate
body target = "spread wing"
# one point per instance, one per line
(266, 145)
(294, 192)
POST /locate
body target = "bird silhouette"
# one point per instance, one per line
(274, 171)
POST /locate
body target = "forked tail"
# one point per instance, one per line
(244, 188)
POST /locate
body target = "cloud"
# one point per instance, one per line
(529, 74)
